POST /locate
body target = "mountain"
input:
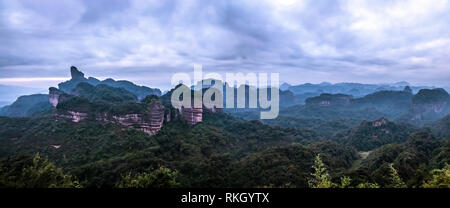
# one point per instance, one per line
(286, 97)
(373, 134)
(103, 93)
(326, 99)
(393, 103)
(285, 86)
(78, 77)
(402, 106)
(27, 105)
(8, 94)
(92, 89)
(106, 104)
(2, 103)
(354, 89)
(428, 106)
(86, 98)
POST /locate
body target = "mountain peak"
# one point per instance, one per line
(285, 86)
(407, 89)
(75, 73)
(402, 83)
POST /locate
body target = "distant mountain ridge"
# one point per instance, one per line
(427, 105)
(354, 89)
(27, 105)
(328, 111)
(8, 94)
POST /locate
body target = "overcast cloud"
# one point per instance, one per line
(147, 41)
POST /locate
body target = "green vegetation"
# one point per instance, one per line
(103, 99)
(440, 178)
(223, 151)
(441, 128)
(320, 177)
(370, 135)
(78, 78)
(431, 96)
(33, 172)
(397, 182)
(160, 178)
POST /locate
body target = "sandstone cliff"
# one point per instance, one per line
(55, 96)
(150, 122)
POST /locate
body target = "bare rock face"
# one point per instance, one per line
(192, 115)
(326, 99)
(73, 116)
(149, 123)
(133, 120)
(380, 122)
(55, 96)
(437, 107)
(156, 117)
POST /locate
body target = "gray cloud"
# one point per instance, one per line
(305, 40)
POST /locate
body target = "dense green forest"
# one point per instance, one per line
(223, 151)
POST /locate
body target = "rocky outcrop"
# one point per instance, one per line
(380, 122)
(75, 73)
(192, 115)
(370, 135)
(56, 96)
(72, 115)
(156, 117)
(137, 121)
(326, 99)
(437, 107)
(149, 123)
(428, 105)
(431, 101)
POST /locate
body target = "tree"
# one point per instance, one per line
(368, 185)
(396, 181)
(345, 182)
(320, 177)
(160, 178)
(34, 172)
(440, 178)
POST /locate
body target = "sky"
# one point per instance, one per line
(305, 41)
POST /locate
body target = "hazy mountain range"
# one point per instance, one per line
(354, 89)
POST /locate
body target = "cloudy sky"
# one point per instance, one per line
(148, 41)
